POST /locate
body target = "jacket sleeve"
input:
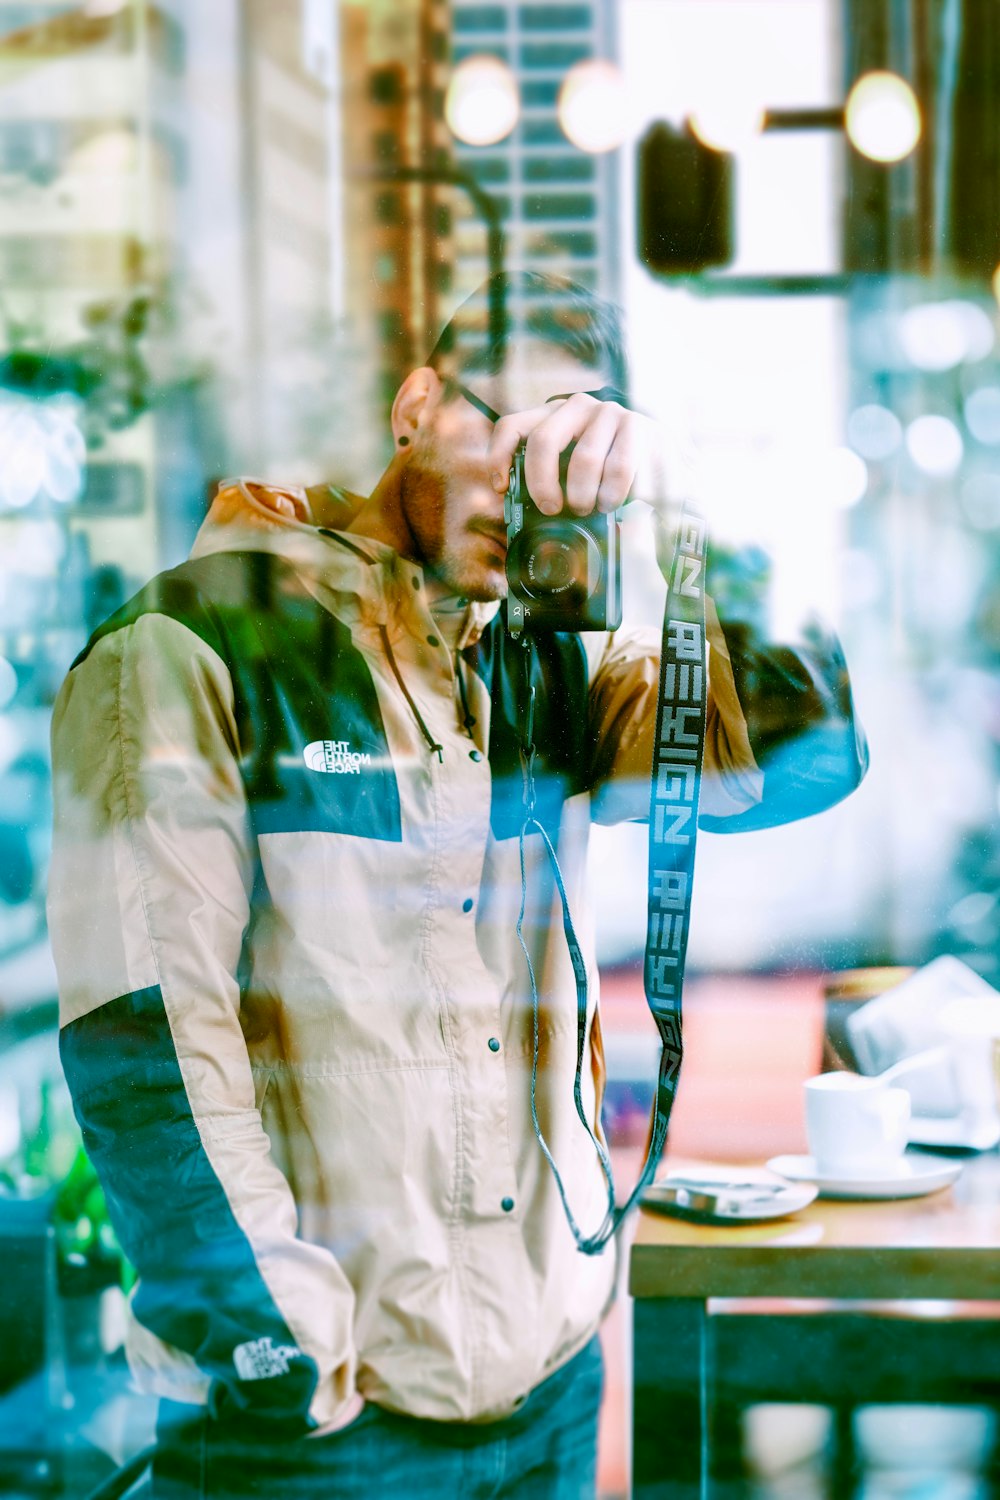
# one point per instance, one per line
(800, 722)
(781, 737)
(149, 902)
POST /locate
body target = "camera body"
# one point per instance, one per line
(564, 572)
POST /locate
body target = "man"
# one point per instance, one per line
(296, 1016)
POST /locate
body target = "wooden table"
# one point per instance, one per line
(695, 1356)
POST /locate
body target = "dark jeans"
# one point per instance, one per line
(546, 1451)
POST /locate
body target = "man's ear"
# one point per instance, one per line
(415, 398)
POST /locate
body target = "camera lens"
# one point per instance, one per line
(554, 565)
(561, 560)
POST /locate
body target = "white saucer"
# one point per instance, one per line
(912, 1176)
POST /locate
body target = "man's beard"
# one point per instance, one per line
(425, 507)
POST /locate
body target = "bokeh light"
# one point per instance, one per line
(883, 117)
(483, 101)
(874, 432)
(593, 106)
(941, 335)
(980, 332)
(934, 335)
(42, 450)
(728, 122)
(934, 444)
(980, 500)
(982, 414)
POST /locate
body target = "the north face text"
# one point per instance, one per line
(335, 756)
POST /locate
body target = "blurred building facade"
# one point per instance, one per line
(399, 235)
(560, 204)
(90, 166)
(201, 273)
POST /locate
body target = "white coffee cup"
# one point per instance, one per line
(856, 1126)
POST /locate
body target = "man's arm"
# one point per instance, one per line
(149, 902)
(801, 724)
(792, 687)
(782, 740)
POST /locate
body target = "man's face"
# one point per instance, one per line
(451, 508)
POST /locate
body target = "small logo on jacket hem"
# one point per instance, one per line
(261, 1359)
(335, 756)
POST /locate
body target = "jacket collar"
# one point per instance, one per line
(363, 579)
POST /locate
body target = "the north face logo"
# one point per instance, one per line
(335, 756)
(261, 1359)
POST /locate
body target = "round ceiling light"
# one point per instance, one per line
(483, 102)
(593, 106)
(883, 117)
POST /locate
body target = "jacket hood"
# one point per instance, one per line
(241, 520)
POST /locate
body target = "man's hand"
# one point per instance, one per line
(610, 445)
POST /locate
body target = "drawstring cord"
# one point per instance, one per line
(468, 719)
(432, 744)
(594, 1243)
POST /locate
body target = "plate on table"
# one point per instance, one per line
(722, 1197)
(911, 1177)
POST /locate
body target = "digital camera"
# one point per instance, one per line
(564, 572)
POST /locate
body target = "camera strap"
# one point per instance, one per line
(678, 753)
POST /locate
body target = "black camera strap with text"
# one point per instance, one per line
(678, 753)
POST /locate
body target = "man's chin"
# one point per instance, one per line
(485, 589)
(475, 580)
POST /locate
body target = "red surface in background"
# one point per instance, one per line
(749, 1042)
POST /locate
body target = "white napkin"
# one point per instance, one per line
(944, 1003)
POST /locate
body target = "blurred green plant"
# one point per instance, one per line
(133, 348)
(52, 1161)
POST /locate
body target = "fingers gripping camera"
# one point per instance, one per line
(563, 572)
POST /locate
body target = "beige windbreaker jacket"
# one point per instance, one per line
(295, 1017)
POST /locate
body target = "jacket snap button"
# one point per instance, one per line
(493, 1044)
(506, 1204)
(432, 640)
(475, 755)
(467, 904)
